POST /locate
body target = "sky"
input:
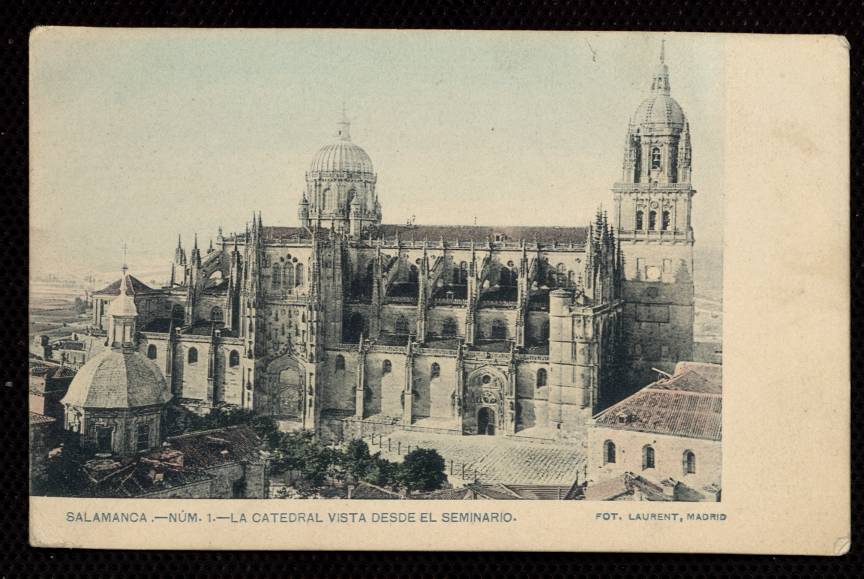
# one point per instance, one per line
(140, 135)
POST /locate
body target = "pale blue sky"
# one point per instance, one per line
(139, 135)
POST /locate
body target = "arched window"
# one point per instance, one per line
(329, 199)
(234, 358)
(689, 462)
(151, 352)
(560, 268)
(386, 367)
(192, 357)
(664, 225)
(143, 442)
(288, 277)
(655, 158)
(652, 220)
(401, 326)
(298, 278)
(499, 330)
(277, 276)
(413, 274)
(647, 457)
(608, 452)
(434, 371)
(449, 328)
(541, 377)
(216, 315)
(504, 276)
(639, 219)
(340, 362)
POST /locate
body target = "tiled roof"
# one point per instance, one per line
(688, 404)
(623, 487)
(484, 233)
(286, 233)
(118, 379)
(113, 289)
(40, 419)
(214, 447)
(365, 490)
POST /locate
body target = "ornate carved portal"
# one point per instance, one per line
(484, 402)
(286, 384)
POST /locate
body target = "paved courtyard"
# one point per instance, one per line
(495, 459)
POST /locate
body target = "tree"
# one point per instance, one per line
(423, 470)
(356, 459)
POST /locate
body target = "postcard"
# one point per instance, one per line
(439, 290)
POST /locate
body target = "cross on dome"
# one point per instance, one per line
(344, 131)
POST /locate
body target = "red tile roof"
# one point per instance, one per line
(483, 233)
(113, 289)
(40, 419)
(688, 404)
(214, 447)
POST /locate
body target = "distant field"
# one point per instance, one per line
(52, 310)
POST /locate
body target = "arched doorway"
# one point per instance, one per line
(287, 382)
(486, 421)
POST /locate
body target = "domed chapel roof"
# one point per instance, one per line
(659, 109)
(342, 155)
(118, 378)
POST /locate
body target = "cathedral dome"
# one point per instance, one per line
(118, 378)
(658, 111)
(342, 155)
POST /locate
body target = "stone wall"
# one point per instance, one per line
(668, 457)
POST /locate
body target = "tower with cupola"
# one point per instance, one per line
(653, 204)
(340, 187)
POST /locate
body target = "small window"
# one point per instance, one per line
(192, 356)
(288, 277)
(340, 363)
(143, 441)
(216, 315)
(151, 352)
(434, 371)
(647, 457)
(667, 220)
(499, 330)
(449, 328)
(486, 379)
(689, 462)
(277, 276)
(401, 326)
(655, 158)
(608, 452)
(640, 218)
(651, 292)
(298, 278)
(234, 358)
(652, 220)
(386, 367)
(541, 377)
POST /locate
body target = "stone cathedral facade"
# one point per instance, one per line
(346, 321)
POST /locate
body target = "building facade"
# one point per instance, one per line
(669, 434)
(464, 329)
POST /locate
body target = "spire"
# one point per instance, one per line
(660, 83)
(179, 243)
(124, 267)
(344, 130)
(195, 245)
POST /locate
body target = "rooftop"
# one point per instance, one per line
(687, 404)
(485, 233)
(137, 287)
(220, 446)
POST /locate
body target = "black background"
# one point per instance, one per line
(18, 17)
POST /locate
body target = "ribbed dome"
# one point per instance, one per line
(118, 379)
(659, 110)
(342, 156)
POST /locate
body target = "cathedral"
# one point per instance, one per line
(346, 321)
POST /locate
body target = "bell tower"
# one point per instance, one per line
(653, 205)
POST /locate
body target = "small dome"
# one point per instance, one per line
(118, 379)
(659, 110)
(124, 303)
(342, 156)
